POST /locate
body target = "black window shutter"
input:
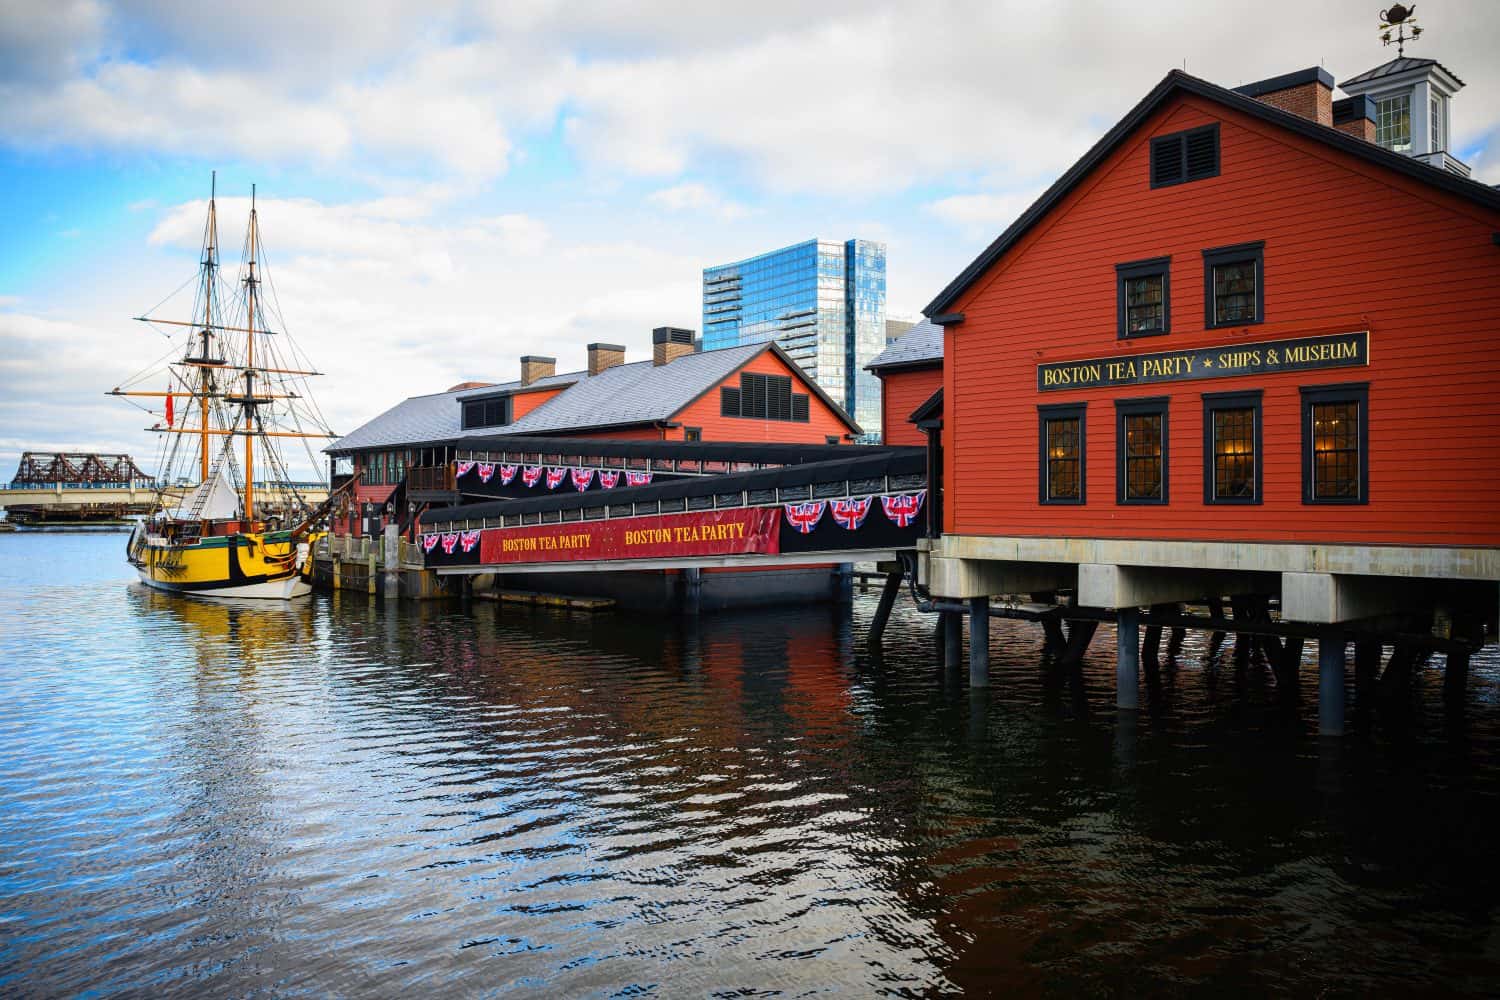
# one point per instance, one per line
(473, 415)
(729, 402)
(1167, 160)
(799, 407)
(753, 390)
(779, 399)
(1202, 153)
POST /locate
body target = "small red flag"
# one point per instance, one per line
(169, 409)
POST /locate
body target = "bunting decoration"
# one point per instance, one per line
(429, 542)
(531, 474)
(902, 508)
(507, 473)
(556, 476)
(608, 480)
(850, 514)
(450, 539)
(582, 478)
(486, 471)
(463, 468)
(469, 539)
(805, 516)
(637, 479)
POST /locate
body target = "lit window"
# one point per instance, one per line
(1062, 454)
(1143, 298)
(1141, 456)
(1393, 122)
(1233, 295)
(1335, 443)
(1231, 447)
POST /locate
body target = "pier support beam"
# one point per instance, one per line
(1331, 683)
(1128, 658)
(692, 591)
(979, 642)
(888, 596)
(953, 639)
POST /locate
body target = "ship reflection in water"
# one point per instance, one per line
(332, 797)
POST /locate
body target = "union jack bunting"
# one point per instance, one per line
(429, 542)
(469, 539)
(450, 539)
(507, 473)
(851, 513)
(555, 477)
(805, 516)
(608, 480)
(582, 478)
(486, 471)
(531, 474)
(637, 479)
(464, 467)
(902, 508)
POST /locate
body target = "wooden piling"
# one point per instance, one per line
(888, 596)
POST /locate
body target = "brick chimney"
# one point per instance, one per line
(602, 356)
(1355, 116)
(1307, 93)
(534, 366)
(668, 343)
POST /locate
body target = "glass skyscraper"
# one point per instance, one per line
(823, 302)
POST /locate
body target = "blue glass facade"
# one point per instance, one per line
(823, 302)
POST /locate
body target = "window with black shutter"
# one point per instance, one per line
(1192, 155)
(486, 412)
(764, 397)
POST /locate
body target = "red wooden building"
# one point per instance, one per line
(910, 371)
(1234, 349)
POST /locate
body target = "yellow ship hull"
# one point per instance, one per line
(260, 565)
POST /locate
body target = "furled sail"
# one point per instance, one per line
(213, 499)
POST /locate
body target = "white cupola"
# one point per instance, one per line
(1412, 98)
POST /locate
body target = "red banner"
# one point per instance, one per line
(748, 531)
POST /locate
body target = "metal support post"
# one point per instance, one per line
(692, 591)
(1331, 683)
(843, 583)
(1128, 658)
(979, 642)
(953, 638)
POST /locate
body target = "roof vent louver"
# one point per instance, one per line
(1192, 155)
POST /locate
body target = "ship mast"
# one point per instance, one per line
(210, 265)
(250, 417)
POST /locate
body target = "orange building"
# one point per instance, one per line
(910, 371)
(753, 393)
(1235, 349)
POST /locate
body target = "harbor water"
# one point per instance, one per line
(345, 797)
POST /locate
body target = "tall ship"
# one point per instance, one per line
(229, 519)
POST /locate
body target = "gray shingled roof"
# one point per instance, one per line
(923, 342)
(429, 418)
(1396, 66)
(639, 392)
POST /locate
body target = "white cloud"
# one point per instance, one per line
(694, 197)
(982, 213)
(847, 99)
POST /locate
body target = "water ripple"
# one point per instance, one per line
(333, 798)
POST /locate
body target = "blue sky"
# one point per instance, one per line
(447, 186)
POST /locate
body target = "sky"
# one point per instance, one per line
(445, 186)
